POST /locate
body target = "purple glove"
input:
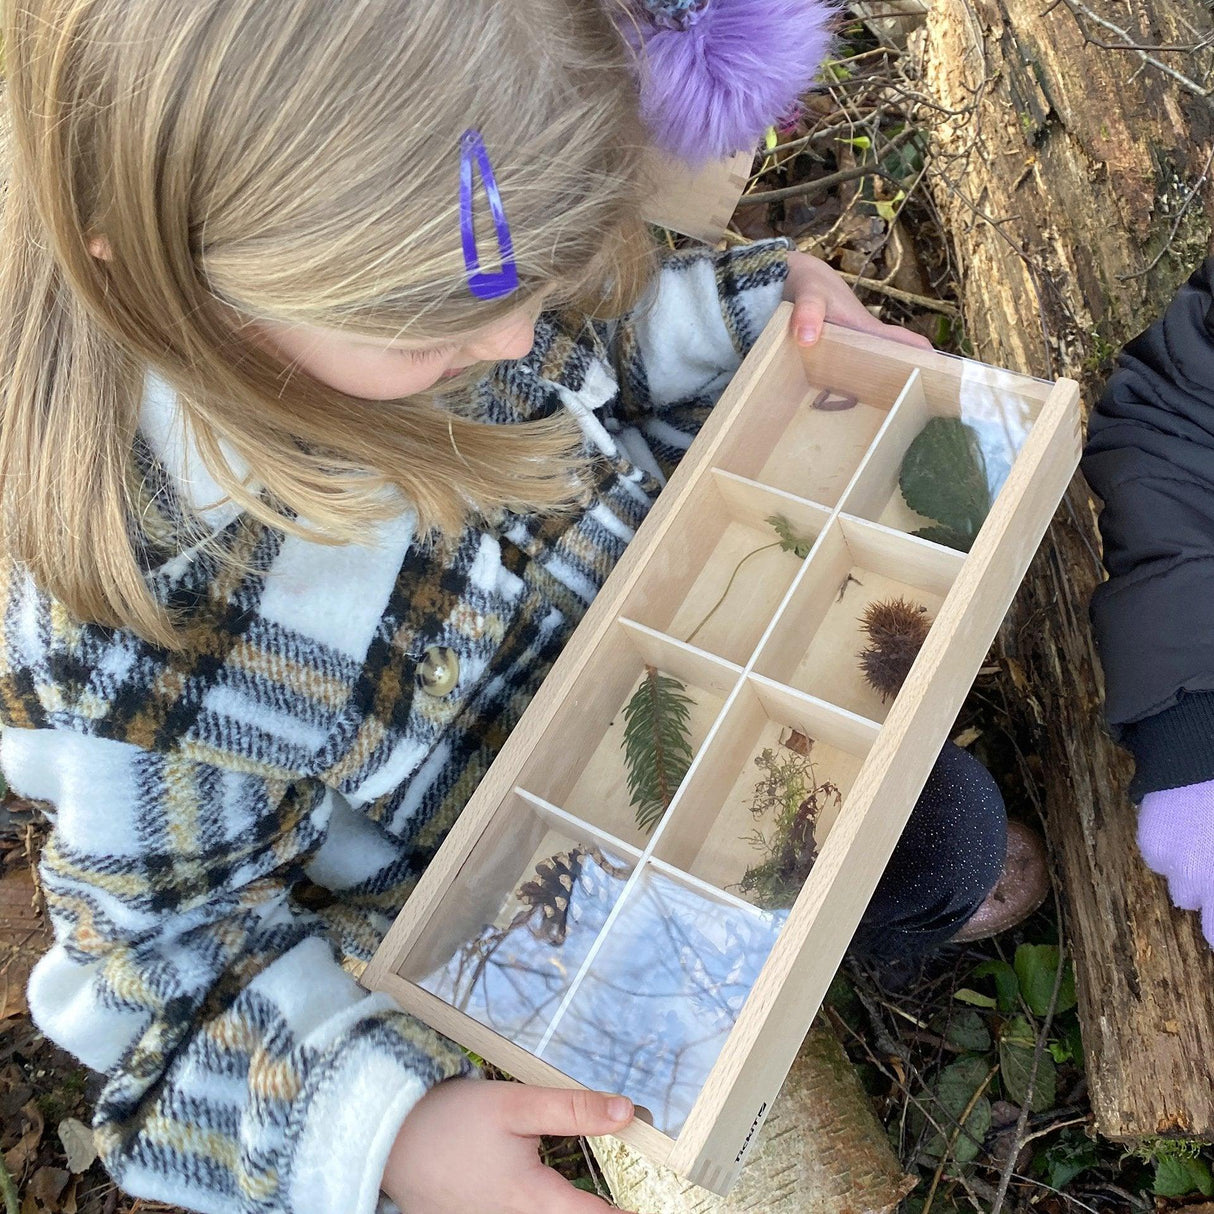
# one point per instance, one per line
(1176, 837)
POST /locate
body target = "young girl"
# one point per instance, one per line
(299, 505)
(1150, 456)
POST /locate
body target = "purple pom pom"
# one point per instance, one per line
(713, 88)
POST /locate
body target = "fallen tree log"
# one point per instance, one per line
(1074, 180)
(821, 1151)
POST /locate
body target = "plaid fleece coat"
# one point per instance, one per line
(235, 826)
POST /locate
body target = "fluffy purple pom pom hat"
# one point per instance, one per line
(713, 76)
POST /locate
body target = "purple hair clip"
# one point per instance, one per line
(483, 284)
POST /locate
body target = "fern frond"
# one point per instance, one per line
(657, 744)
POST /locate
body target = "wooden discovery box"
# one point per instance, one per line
(666, 978)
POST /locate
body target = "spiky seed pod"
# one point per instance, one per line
(896, 629)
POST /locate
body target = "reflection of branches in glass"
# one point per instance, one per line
(662, 995)
(511, 977)
(791, 796)
(653, 1008)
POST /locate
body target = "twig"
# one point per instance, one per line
(1022, 1121)
(1076, 9)
(907, 297)
(870, 169)
(818, 186)
(592, 1167)
(1184, 208)
(952, 1142)
(1053, 1127)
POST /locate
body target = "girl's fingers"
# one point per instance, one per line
(906, 336)
(552, 1194)
(534, 1111)
(863, 321)
(808, 313)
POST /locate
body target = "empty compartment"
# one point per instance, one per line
(581, 763)
(659, 998)
(763, 799)
(722, 568)
(821, 409)
(860, 573)
(947, 451)
(517, 920)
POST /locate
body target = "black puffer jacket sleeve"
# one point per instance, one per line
(1150, 457)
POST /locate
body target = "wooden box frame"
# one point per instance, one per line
(759, 433)
(697, 202)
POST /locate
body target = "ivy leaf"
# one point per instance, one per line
(1007, 985)
(1017, 1044)
(1036, 967)
(1178, 1175)
(943, 477)
(657, 744)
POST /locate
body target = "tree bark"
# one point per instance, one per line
(821, 1151)
(1063, 173)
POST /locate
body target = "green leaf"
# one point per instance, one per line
(657, 744)
(790, 541)
(954, 1090)
(1036, 967)
(1007, 985)
(1073, 1037)
(965, 995)
(1017, 1043)
(888, 208)
(946, 537)
(1069, 1045)
(586, 1184)
(1067, 1158)
(1178, 1175)
(943, 476)
(968, 1031)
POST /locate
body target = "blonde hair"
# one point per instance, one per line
(293, 161)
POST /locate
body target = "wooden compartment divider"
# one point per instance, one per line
(816, 437)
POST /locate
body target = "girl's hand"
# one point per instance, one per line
(819, 293)
(471, 1145)
(1176, 838)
